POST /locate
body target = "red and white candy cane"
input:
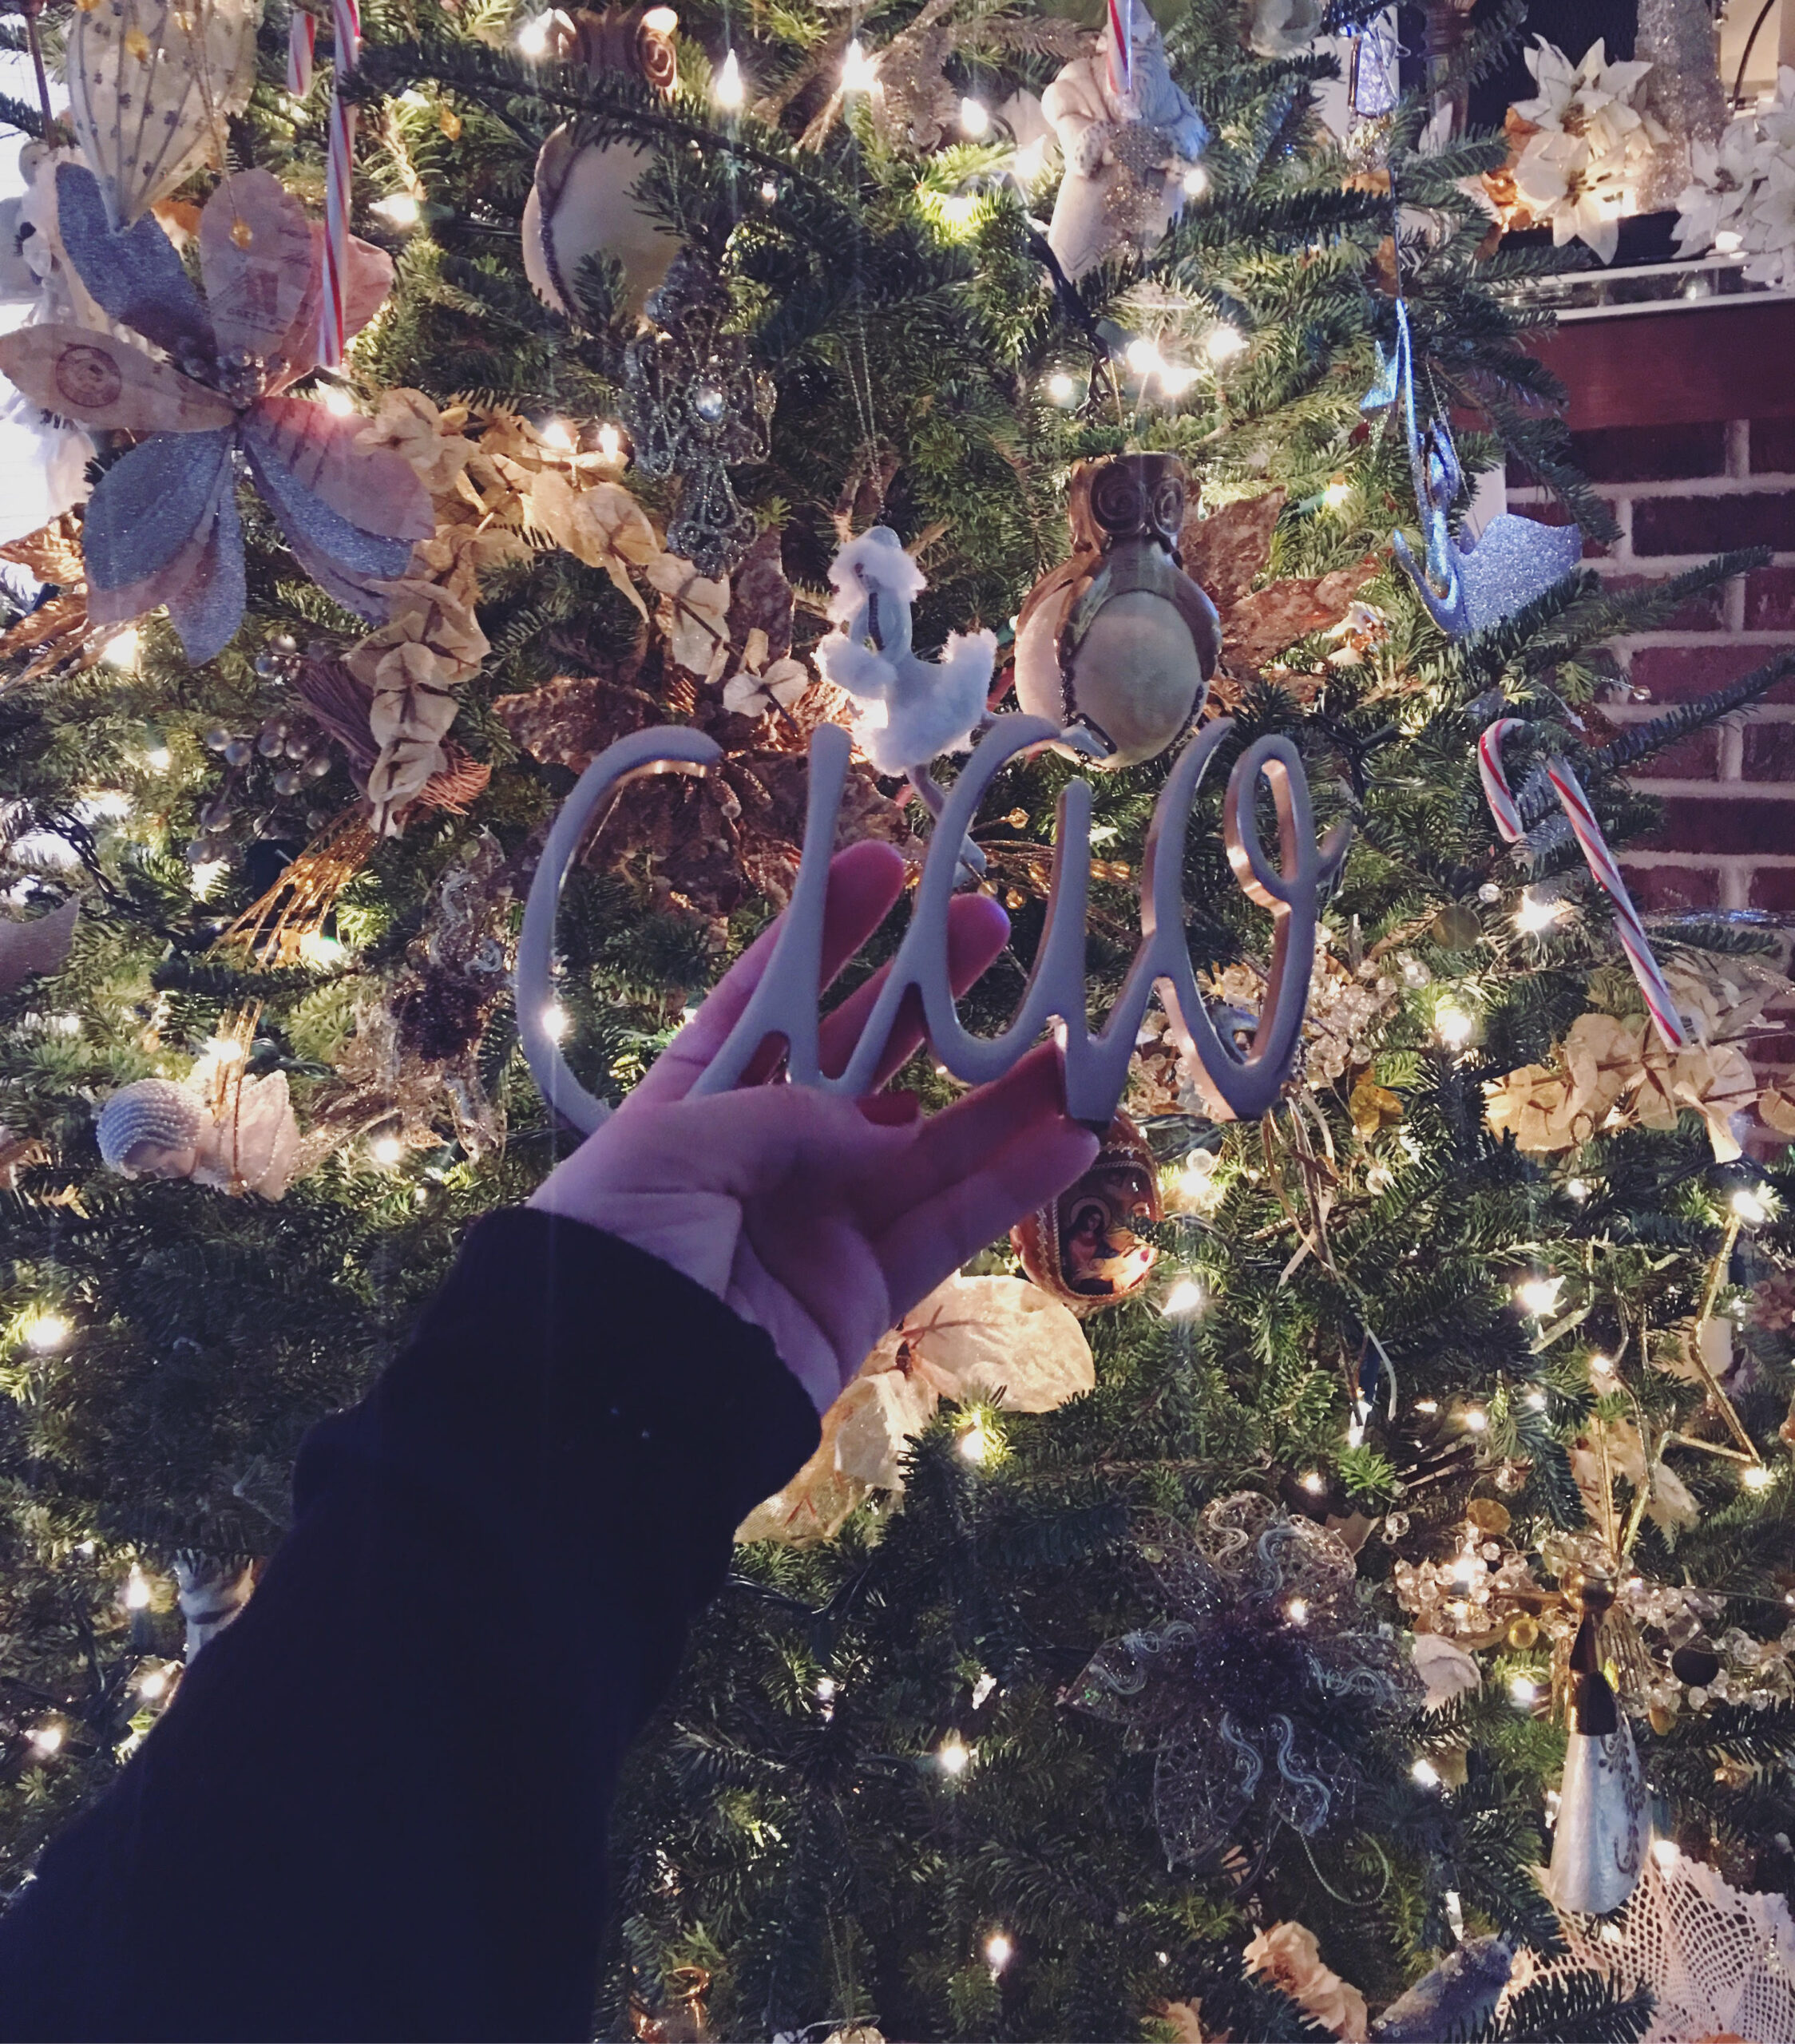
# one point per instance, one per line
(1588, 834)
(1121, 35)
(302, 40)
(339, 166)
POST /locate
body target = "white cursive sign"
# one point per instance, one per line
(786, 1004)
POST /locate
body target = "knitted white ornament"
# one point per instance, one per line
(146, 1126)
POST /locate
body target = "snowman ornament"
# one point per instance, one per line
(1130, 140)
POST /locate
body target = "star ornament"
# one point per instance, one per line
(162, 527)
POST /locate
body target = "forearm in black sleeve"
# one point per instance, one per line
(376, 1806)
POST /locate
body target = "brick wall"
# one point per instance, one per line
(1682, 493)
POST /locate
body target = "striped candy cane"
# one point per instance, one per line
(1594, 846)
(302, 40)
(1122, 36)
(345, 18)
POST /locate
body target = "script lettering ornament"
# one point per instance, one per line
(787, 1003)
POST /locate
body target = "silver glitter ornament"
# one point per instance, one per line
(152, 1128)
(1682, 89)
(1604, 1815)
(693, 404)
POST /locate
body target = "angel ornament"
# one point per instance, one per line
(1130, 138)
(911, 710)
(219, 1127)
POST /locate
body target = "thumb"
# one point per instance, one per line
(747, 1142)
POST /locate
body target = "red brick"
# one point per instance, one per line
(1696, 758)
(1705, 612)
(1727, 823)
(1770, 752)
(1678, 673)
(1770, 600)
(1669, 890)
(1651, 454)
(1707, 524)
(1772, 446)
(1772, 887)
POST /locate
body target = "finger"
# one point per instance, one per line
(955, 1142)
(1044, 1155)
(759, 1138)
(864, 882)
(977, 929)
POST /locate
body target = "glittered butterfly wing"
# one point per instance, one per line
(151, 85)
(107, 383)
(164, 519)
(134, 275)
(350, 514)
(255, 254)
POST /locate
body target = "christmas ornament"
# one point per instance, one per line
(151, 85)
(1601, 862)
(154, 1128)
(911, 710)
(1468, 586)
(1084, 1248)
(579, 204)
(163, 527)
(1267, 1654)
(785, 1003)
(1716, 1960)
(212, 1590)
(1130, 138)
(693, 404)
(1448, 1670)
(995, 1340)
(1289, 1956)
(1455, 1999)
(40, 946)
(1117, 640)
(1683, 91)
(1280, 28)
(1603, 1822)
(302, 50)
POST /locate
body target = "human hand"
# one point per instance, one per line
(824, 1220)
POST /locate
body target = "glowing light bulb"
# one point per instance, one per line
(1222, 342)
(826, 1688)
(159, 759)
(207, 873)
(975, 117)
(1176, 378)
(974, 1443)
(1578, 1189)
(323, 952)
(769, 191)
(859, 73)
(1535, 915)
(1031, 160)
(1453, 1026)
(122, 649)
(137, 1590)
(1296, 1611)
(1427, 1404)
(1143, 358)
(45, 1332)
(1337, 494)
(982, 1689)
(533, 38)
(338, 401)
(610, 443)
(1185, 1298)
(1536, 1401)
(558, 434)
(1314, 1482)
(1756, 1477)
(1523, 1689)
(1062, 388)
(153, 1685)
(1601, 1366)
(1750, 1207)
(998, 1951)
(1425, 1773)
(1475, 1420)
(555, 1022)
(387, 1150)
(689, 1012)
(224, 1050)
(47, 1739)
(398, 209)
(727, 88)
(1728, 243)
(954, 1754)
(1664, 1850)
(1538, 1295)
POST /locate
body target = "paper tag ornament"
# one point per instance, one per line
(786, 1003)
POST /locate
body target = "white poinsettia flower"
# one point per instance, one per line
(1566, 187)
(1594, 98)
(1769, 229)
(1722, 175)
(1775, 122)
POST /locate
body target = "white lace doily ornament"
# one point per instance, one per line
(1719, 1963)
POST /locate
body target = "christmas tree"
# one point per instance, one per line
(1210, 1613)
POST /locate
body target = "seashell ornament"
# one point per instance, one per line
(1118, 639)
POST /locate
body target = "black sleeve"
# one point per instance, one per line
(376, 1806)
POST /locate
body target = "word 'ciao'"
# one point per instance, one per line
(787, 1005)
